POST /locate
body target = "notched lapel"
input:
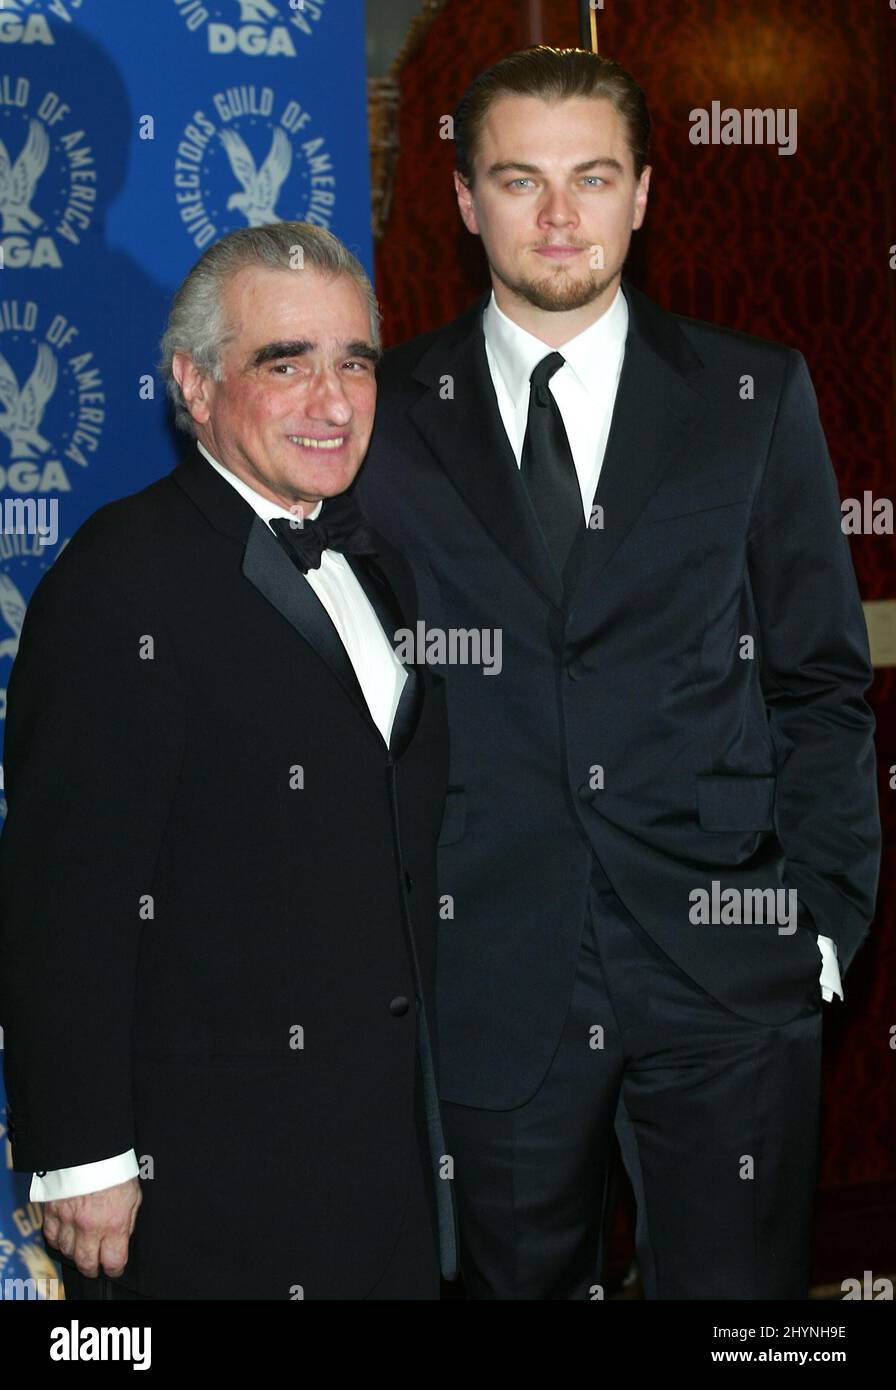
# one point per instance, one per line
(466, 434)
(269, 568)
(654, 415)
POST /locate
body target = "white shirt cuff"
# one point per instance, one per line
(831, 983)
(57, 1183)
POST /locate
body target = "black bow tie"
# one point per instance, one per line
(340, 526)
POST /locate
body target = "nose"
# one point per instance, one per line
(557, 208)
(326, 399)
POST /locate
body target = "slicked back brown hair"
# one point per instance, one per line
(552, 74)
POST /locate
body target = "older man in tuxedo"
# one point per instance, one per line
(218, 869)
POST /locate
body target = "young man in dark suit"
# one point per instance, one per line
(217, 874)
(661, 838)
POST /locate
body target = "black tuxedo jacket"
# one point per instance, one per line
(218, 898)
(684, 705)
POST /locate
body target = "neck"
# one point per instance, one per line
(553, 327)
(241, 469)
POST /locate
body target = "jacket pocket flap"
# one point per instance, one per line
(683, 499)
(736, 801)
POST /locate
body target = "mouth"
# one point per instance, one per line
(560, 251)
(327, 444)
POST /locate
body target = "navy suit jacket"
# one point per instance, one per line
(632, 723)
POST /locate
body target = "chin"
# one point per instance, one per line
(559, 298)
(333, 484)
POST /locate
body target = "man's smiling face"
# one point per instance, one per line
(294, 410)
(553, 182)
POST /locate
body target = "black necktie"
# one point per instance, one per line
(340, 526)
(547, 465)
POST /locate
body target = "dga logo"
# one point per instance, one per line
(22, 562)
(52, 402)
(52, 411)
(47, 177)
(256, 28)
(26, 1270)
(26, 21)
(251, 160)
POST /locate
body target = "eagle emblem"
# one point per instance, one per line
(261, 187)
(12, 608)
(25, 408)
(18, 181)
(254, 11)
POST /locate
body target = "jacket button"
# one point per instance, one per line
(399, 1006)
(408, 881)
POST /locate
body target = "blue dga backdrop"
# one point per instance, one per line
(134, 133)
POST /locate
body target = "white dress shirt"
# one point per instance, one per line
(584, 387)
(380, 673)
(381, 677)
(585, 391)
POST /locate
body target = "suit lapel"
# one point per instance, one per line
(384, 578)
(267, 566)
(381, 581)
(656, 409)
(655, 412)
(466, 434)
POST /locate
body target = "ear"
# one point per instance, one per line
(196, 389)
(465, 203)
(641, 197)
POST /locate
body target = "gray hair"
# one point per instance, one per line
(196, 323)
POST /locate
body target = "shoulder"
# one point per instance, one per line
(393, 561)
(715, 343)
(716, 347)
(396, 368)
(398, 363)
(113, 547)
(724, 365)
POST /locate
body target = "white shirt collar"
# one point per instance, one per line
(591, 354)
(263, 506)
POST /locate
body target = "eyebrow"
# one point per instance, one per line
(603, 162)
(300, 347)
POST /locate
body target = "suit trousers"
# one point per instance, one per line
(413, 1268)
(717, 1122)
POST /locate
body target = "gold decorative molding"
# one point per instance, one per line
(880, 617)
(383, 105)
